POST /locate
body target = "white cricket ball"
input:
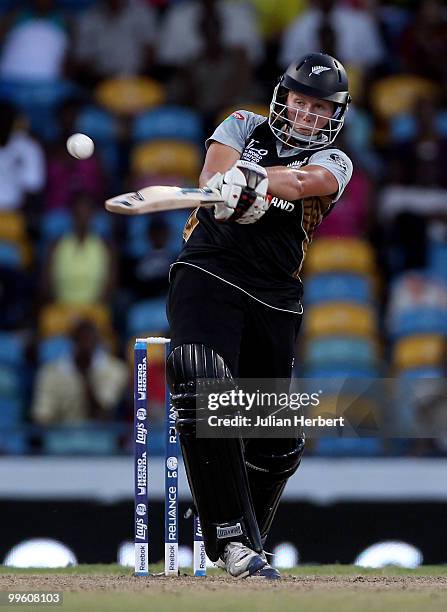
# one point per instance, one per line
(80, 146)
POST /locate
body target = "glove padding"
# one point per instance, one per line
(244, 190)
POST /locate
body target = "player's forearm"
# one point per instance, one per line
(292, 184)
(205, 177)
(283, 183)
(219, 158)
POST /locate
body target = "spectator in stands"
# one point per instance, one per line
(218, 76)
(272, 19)
(22, 162)
(350, 34)
(115, 37)
(182, 38)
(67, 175)
(80, 267)
(149, 274)
(423, 45)
(423, 151)
(86, 386)
(416, 190)
(36, 44)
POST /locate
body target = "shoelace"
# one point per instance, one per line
(239, 552)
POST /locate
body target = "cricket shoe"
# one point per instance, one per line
(240, 561)
(267, 572)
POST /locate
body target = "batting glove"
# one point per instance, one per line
(244, 191)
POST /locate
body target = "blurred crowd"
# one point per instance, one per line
(148, 80)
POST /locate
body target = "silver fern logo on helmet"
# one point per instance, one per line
(318, 70)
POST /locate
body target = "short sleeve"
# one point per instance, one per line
(338, 163)
(236, 129)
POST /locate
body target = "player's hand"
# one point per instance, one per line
(244, 190)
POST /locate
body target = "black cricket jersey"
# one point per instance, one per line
(263, 259)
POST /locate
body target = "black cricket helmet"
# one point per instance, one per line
(317, 75)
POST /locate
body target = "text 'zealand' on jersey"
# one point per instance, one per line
(264, 258)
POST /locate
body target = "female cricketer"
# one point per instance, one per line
(234, 300)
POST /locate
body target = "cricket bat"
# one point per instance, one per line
(159, 199)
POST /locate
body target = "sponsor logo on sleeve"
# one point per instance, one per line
(235, 115)
(339, 161)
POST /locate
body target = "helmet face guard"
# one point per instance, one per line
(286, 121)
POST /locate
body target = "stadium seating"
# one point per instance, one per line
(338, 287)
(10, 412)
(129, 95)
(12, 349)
(147, 314)
(348, 447)
(38, 101)
(422, 373)
(168, 122)
(167, 157)
(437, 259)
(419, 351)
(339, 350)
(58, 222)
(137, 244)
(397, 94)
(10, 255)
(340, 318)
(12, 372)
(98, 124)
(9, 383)
(12, 226)
(341, 372)
(15, 248)
(103, 128)
(348, 255)
(58, 319)
(360, 415)
(341, 321)
(403, 127)
(423, 320)
(87, 439)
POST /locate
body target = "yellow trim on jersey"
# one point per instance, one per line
(190, 224)
(313, 211)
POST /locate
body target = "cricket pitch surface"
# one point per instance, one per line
(322, 588)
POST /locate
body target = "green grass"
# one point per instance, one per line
(126, 594)
(261, 601)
